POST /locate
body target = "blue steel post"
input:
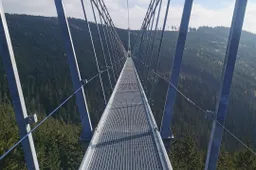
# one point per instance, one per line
(227, 74)
(75, 72)
(166, 132)
(7, 54)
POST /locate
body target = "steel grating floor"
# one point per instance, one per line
(127, 136)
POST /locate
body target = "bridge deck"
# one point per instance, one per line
(127, 136)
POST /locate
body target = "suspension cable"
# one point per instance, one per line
(141, 47)
(107, 45)
(102, 45)
(101, 2)
(114, 38)
(112, 51)
(129, 31)
(119, 48)
(162, 34)
(147, 46)
(109, 35)
(155, 68)
(114, 47)
(138, 41)
(152, 50)
(154, 38)
(94, 51)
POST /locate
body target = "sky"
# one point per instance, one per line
(204, 12)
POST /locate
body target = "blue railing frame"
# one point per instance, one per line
(227, 74)
(16, 93)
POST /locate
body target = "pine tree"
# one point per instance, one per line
(245, 160)
(185, 155)
(225, 161)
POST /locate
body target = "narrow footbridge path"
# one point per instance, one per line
(127, 136)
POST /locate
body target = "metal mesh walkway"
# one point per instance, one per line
(127, 136)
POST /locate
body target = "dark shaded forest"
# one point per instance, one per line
(45, 78)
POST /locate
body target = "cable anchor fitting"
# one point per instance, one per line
(31, 119)
(210, 115)
(84, 81)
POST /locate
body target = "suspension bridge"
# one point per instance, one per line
(127, 136)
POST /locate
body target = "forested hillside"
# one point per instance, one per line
(200, 80)
(45, 78)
